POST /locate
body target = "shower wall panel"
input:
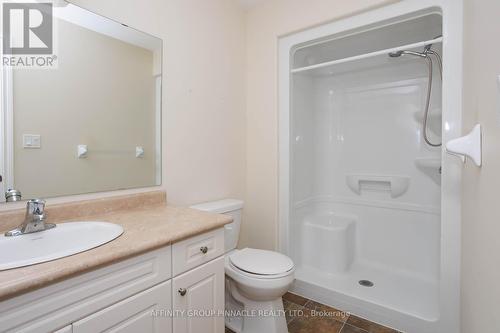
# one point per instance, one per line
(358, 151)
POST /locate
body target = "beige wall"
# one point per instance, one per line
(203, 95)
(481, 208)
(203, 122)
(265, 23)
(111, 109)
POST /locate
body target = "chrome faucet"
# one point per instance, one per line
(34, 220)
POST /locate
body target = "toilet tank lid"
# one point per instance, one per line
(220, 206)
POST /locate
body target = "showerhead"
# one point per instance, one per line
(405, 52)
(396, 54)
(427, 55)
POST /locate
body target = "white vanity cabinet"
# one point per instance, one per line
(199, 294)
(140, 294)
(198, 283)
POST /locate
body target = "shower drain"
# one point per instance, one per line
(366, 283)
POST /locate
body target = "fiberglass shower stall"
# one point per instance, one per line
(365, 201)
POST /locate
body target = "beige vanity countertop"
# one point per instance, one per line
(145, 229)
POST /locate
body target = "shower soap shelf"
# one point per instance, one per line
(396, 185)
(428, 163)
(430, 166)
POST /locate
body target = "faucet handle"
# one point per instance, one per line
(35, 207)
(34, 220)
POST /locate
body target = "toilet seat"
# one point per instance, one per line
(261, 264)
(258, 290)
(259, 286)
(242, 273)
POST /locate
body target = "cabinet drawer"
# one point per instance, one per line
(197, 250)
(55, 306)
(145, 312)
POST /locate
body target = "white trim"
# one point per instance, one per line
(9, 127)
(452, 12)
(2, 135)
(6, 130)
(158, 130)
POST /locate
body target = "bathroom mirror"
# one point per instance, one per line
(91, 122)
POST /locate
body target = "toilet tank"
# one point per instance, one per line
(230, 207)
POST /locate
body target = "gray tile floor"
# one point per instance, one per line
(300, 319)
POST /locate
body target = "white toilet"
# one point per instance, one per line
(255, 279)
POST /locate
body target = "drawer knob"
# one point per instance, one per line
(182, 291)
(204, 249)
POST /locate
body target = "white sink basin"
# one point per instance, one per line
(62, 241)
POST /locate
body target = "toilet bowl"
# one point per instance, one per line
(255, 288)
(255, 279)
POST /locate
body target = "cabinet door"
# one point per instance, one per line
(145, 312)
(195, 294)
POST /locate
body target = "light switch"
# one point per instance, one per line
(32, 141)
(35, 141)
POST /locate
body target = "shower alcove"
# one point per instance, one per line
(366, 211)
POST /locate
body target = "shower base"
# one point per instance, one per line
(396, 299)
